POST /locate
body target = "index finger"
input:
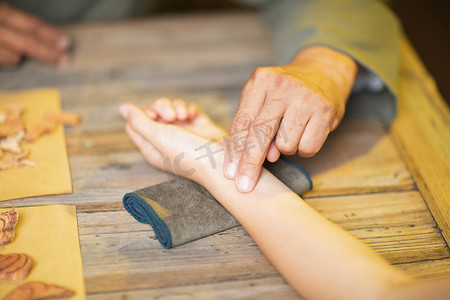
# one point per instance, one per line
(252, 99)
(257, 145)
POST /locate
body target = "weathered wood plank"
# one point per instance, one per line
(430, 269)
(160, 54)
(99, 106)
(264, 288)
(261, 288)
(101, 178)
(422, 134)
(357, 158)
(396, 225)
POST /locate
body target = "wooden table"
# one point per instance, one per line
(388, 186)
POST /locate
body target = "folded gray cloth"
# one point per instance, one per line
(181, 210)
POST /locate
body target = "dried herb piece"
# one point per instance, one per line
(15, 110)
(13, 130)
(38, 290)
(36, 129)
(17, 161)
(15, 266)
(65, 117)
(8, 221)
(11, 120)
(12, 142)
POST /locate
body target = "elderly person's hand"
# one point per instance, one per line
(24, 35)
(288, 109)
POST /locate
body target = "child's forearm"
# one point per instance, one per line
(320, 260)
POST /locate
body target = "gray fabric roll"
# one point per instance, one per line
(181, 210)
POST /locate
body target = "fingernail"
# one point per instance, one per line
(151, 114)
(231, 170)
(124, 110)
(170, 115)
(182, 116)
(244, 184)
(63, 42)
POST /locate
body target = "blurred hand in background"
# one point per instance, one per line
(23, 35)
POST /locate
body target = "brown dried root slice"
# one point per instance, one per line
(65, 117)
(15, 266)
(15, 110)
(14, 164)
(8, 221)
(22, 161)
(10, 126)
(36, 129)
(38, 290)
(8, 164)
(11, 120)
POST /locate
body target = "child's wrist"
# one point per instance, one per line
(208, 165)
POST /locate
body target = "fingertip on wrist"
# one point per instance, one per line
(230, 170)
(244, 184)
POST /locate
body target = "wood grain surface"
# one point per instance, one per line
(422, 133)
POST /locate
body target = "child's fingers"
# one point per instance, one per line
(181, 109)
(165, 109)
(193, 110)
(151, 114)
(176, 110)
(142, 124)
(150, 153)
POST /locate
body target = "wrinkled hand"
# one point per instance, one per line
(288, 109)
(169, 132)
(24, 35)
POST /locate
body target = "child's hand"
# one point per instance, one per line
(170, 134)
(188, 116)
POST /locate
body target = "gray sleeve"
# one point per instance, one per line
(366, 30)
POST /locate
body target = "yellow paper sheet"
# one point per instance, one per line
(49, 235)
(52, 173)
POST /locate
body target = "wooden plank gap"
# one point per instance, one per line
(421, 132)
